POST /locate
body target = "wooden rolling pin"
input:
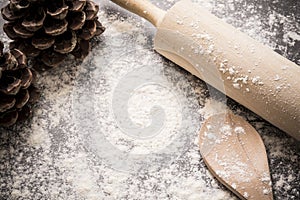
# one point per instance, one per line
(245, 70)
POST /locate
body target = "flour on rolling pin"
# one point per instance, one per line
(239, 66)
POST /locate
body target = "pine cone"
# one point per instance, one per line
(16, 91)
(48, 30)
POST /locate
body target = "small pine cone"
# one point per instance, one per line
(16, 90)
(48, 30)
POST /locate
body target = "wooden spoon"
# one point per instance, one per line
(235, 154)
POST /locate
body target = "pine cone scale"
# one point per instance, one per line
(12, 87)
(35, 22)
(9, 62)
(59, 13)
(10, 15)
(19, 4)
(9, 118)
(91, 10)
(52, 59)
(77, 5)
(8, 29)
(99, 28)
(82, 49)
(34, 94)
(26, 78)
(77, 20)
(22, 99)
(66, 43)
(20, 58)
(7, 102)
(56, 27)
(22, 31)
(24, 113)
(89, 30)
(42, 42)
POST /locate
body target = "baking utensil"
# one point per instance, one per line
(245, 70)
(235, 154)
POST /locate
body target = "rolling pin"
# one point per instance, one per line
(242, 68)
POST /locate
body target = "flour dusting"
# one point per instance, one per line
(50, 157)
(213, 107)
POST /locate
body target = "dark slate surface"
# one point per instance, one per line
(81, 145)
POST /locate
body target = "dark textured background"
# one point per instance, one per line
(48, 157)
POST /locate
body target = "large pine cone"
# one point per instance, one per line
(16, 91)
(48, 30)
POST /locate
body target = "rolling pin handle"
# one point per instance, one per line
(143, 8)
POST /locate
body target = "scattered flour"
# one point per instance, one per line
(213, 107)
(123, 26)
(193, 189)
(50, 160)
